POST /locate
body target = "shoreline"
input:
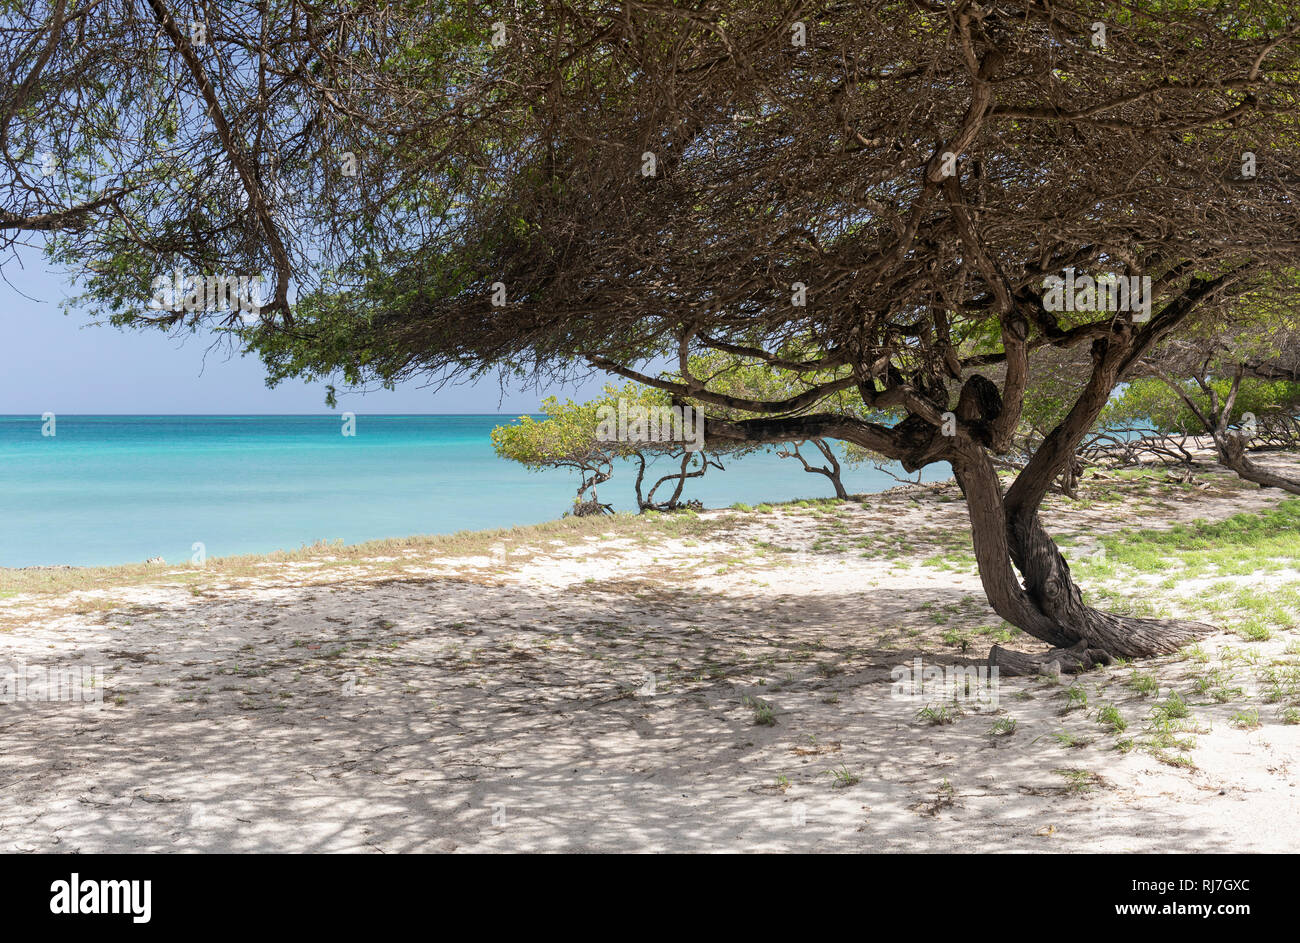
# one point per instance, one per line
(458, 535)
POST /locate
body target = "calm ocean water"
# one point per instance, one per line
(118, 489)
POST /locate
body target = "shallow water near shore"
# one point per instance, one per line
(116, 489)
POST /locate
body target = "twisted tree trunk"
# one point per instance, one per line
(1232, 453)
(1011, 544)
(590, 477)
(1028, 583)
(646, 502)
(831, 469)
(1230, 445)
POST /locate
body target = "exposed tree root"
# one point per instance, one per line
(1144, 637)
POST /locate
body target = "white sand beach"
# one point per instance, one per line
(600, 687)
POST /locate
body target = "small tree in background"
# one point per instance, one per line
(1235, 412)
(1239, 385)
(564, 439)
(570, 437)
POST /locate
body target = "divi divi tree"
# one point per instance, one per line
(897, 190)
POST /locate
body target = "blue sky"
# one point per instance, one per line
(57, 363)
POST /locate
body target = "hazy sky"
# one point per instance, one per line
(56, 362)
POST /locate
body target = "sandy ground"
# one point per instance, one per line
(602, 697)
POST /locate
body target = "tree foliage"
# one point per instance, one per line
(571, 436)
(1150, 402)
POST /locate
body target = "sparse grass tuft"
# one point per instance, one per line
(1003, 727)
(1108, 715)
(936, 716)
(764, 716)
(1078, 780)
(1245, 720)
(844, 777)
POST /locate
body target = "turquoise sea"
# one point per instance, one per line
(121, 489)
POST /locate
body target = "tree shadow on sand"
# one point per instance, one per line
(439, 714)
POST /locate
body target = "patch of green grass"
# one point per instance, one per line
(1003, 727)
(1245, 720)
(1254, 630)
(844, 777)
(763, 713)
(1078, 780)
(956, 637)
(1108, 715)
(1214, 683)
(1067, 739)
(1234, 546)
(999, 633)
(1246, 544)
(1170, 718)
(1144, 683)
(1171, 708)
(936, 716)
